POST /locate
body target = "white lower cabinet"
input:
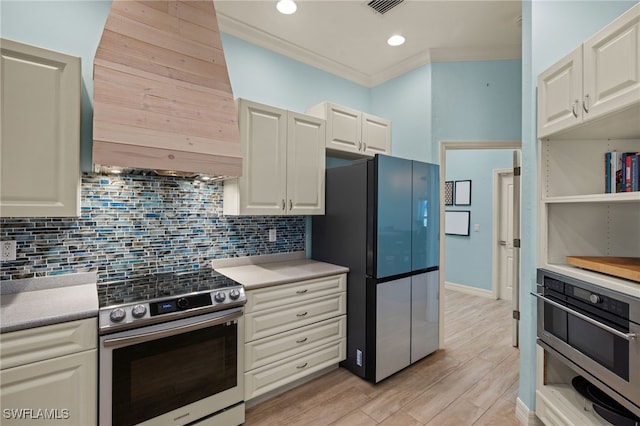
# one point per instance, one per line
(292, 331)
(59, 389)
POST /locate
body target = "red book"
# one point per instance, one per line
(627, 174)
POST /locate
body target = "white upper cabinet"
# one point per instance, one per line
(353, 134)
(612, 66)
(284, 163)
(40, 143)
(560, 94)
(599, 77)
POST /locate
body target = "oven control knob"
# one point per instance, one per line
(117, 315)
(594, 298)
(138, 311)
(234, 294)
(183, 302)
(219, 297)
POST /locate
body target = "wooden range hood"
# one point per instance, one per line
(162, 96)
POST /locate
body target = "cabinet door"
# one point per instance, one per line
(343, 129)
(40, 148)
(63, 390)
(263, 133)
(560, 94)
(305, 164)
(612, 66)
(376, 135)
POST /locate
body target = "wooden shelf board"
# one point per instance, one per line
(623, 267)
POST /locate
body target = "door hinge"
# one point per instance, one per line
(516, 242)
(516, 171)
(516, 315)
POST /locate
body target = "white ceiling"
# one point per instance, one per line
(347, 38)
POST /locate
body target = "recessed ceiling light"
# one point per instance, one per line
(395, 40)
(286, 7)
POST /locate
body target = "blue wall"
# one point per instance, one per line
(406, 101)
(550, 30)
(475, 101)
(469, 259)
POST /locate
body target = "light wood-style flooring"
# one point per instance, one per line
(473, 381)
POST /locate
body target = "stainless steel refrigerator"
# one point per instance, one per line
(382, 221)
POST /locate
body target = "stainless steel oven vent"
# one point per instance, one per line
(383, 6)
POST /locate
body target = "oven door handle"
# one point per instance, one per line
(144, 337)
(625, 336)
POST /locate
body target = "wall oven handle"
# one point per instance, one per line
(625, 336)
(144, 337)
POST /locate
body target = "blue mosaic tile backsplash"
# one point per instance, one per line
(132, 226)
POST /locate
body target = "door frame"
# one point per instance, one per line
(444, 147)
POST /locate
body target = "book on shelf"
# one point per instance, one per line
(622, 172)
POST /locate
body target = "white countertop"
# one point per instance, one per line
(42, 301)
(273, 273)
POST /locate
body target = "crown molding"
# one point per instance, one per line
(270, 42)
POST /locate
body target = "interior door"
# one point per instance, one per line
(505, 235)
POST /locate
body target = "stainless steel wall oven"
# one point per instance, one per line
(173, 360)
(593, 330)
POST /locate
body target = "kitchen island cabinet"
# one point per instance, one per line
(40, 141)
(284, 163)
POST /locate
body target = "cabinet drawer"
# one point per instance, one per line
(273, 376)
(272, 321)
(271, 297)
(275, 348)
(548, 414)
(50, 341)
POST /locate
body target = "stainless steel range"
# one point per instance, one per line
(171, 350)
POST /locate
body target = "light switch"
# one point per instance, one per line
(272, 235)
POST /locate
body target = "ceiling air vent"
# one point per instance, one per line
(383, 6)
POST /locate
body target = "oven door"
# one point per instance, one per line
(606, 352)
(172, 373)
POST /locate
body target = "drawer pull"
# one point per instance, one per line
(302, 366)
(302, 314)
(302, 291)
(301, 340)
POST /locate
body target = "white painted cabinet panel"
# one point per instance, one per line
(40, 140)
(612, 66)
(600, 77)
(284, 163)
(560, 94)
(293, 331)
(50, 373)
(353, 134)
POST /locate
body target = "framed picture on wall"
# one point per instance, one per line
(462, 193)
(448, 193)
(456, 222)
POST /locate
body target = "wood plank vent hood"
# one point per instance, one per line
(162, 95)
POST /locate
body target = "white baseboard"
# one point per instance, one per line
(469, 290)
(526, 416)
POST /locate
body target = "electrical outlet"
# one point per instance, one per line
(8, 250)
(272, 235)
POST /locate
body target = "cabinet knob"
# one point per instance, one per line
(359, 146)
(302, 314)
(574, 108)
(364, 146)
(290, 205)
(585, 103)
(283, 204)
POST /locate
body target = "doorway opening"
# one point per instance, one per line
(493, 292)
